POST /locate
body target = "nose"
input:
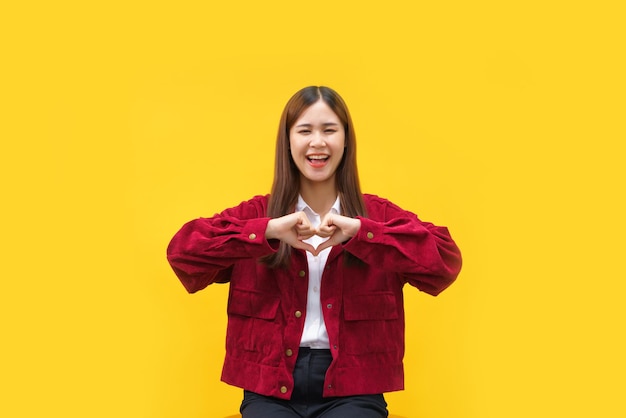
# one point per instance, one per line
(317, 140)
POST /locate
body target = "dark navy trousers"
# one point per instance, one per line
(307, 400)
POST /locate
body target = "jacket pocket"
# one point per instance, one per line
(253, 304)
(253, 328)
(372, 323)
(370, 307)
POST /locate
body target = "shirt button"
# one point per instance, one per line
(370, 235)
(289, 352)
(252, 236)
(283, 389)
(298, 314)
(301, 273)
(329, 306)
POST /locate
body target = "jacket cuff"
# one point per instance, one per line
(371, 232)
(253, 233)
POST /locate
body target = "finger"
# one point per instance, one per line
(305, 233)
(326, 231)
(328, 220)
(304, 228)
(303, 220)
(305, 246)
(326, 244)
(302, 237)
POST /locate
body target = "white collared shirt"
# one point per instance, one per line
(315, 334)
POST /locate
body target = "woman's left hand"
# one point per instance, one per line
(338, 228)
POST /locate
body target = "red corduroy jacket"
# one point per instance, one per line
(362, 302)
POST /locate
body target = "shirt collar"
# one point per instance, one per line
(301, 205)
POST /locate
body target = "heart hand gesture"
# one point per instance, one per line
(338, 229)
(294, 228)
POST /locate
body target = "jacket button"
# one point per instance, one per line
(301, 273)
(329, 306)
(298, 314)
(370, 235)
(252, 236)
(283, 389)
(289, 352)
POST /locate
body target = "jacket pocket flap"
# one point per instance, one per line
(370, 307)
(253, 304)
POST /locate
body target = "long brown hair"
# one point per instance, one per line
(286, 185)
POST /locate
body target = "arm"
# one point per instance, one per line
(204, 250)
(398, 241)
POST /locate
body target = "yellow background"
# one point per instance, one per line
(122, 120)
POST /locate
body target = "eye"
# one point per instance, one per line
(330, 131)
(304, 131)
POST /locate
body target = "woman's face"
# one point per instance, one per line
(317, 142)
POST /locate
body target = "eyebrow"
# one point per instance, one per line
(308, 125)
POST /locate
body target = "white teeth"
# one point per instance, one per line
(317, 157)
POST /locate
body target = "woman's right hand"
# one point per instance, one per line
(292, 229)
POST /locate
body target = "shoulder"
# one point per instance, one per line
(258, 200)
(379, 208)
(254, 207)
(375, 202)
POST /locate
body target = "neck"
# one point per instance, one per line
(319, 196)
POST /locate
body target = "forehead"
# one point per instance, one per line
(318, 112)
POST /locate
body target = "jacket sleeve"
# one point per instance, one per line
(396, 240)
(204, 250)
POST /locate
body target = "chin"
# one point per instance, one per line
(319, 179)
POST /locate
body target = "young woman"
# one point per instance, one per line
(316, 272)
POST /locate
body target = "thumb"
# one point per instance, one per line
(306, 247)
(326, 244)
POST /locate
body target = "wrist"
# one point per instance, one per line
(269, 230)
(356, 227)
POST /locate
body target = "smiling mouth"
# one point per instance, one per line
(317, 161)
(317, 158)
